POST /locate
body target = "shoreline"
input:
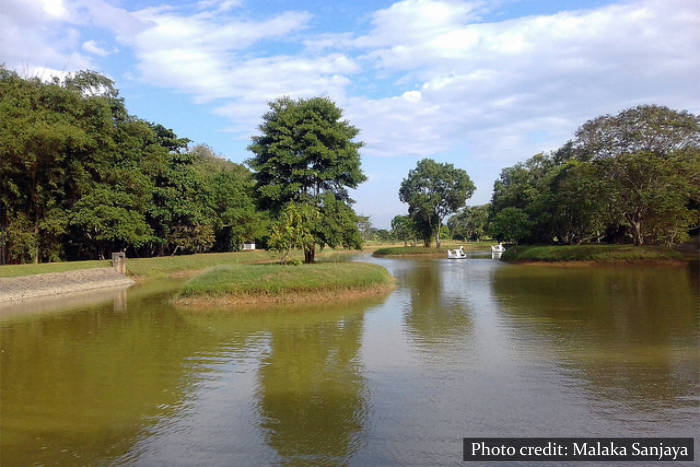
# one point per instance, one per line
(18, 289)
(595, 254)
(428, 252)
(592, 263)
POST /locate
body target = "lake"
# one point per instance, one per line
(461, 348)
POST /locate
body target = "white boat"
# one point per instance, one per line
(457, 253)
(498, 248)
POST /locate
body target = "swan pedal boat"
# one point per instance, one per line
(498, 248)
(456, 254)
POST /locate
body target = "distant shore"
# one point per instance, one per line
(430, 252)
(585, 255)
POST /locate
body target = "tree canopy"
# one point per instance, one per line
(634, 176)
(470, 223)
(80, 177)
(307, 154)
(433, 190)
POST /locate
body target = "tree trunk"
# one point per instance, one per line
(637, 233)
(36, 243)
(636, 223)
(437, 236)
(3, 248)
(309, 255)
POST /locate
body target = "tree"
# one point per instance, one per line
(510, 224)
(646, 128)
(364, 225)
(230, 198)
(294, 229)
(80, 177)
(576, 203)
(470, 223)
(403, 228)
(433, 190)
(308, 155)
(46, 130)
(650, 192)
(648, 157)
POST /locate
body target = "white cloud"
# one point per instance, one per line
(530, 80)
(54, 8)
(92, 47)
(453, 83)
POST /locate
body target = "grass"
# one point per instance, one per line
(594, 253)
(422, 251)
(168, 265)
(18, 270)
(245, 283)
(165, 266)
(142, 267)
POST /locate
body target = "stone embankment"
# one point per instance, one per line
(42, 285)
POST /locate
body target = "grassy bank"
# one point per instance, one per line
(590, 253)
(142, 267)
(422, 251)
(18, 270)
(256, 283)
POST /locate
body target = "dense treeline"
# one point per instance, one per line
(633, 177)
(80, 177)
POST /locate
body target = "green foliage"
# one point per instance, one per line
(510, 225)
(294, 229)
(304, 151)
(635, 175)
(471, 223)
(404, 229)
(306, 154)
(642, 129)
(79, 178)
(651, 193)
(432, 191)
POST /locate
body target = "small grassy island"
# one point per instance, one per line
(591, 253)
(275, 283)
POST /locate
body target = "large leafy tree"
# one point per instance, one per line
(47, 132)
(646, 128)
(307, 154)
(434, 190)
(649, 157)
(633, 174)
(233, 214)
(650, 193)
(80, 177)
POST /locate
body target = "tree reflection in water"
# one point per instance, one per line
(630, 332)
(439, 312)
(311, 392)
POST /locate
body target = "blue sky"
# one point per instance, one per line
(479, 84)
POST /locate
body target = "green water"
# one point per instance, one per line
(460, 348)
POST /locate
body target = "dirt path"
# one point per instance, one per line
(41, 285)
